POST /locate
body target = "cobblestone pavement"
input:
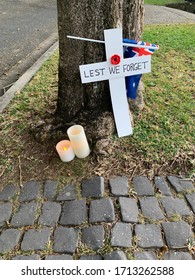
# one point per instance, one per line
(113, 219)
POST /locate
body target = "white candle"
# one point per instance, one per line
(65, 151)
(78, 141)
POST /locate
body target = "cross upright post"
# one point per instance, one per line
(113, 43)
(115, 69)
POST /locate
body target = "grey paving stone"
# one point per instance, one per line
(8, 193)
(58, 257)
(162, 185)
(50, 214)
(187, 185)
(101, 210)
(174, 206)
(9, 238)
(115, 255)
(26, 215)
(142, 186)
(50, 189)
(180, 184)
(121, 235)
(146, 255)
(74, 213)
(93, 236)
(30, 191)
(150, 208)
(91, 258)
(129, 209)
(172, 255)
(93, 187)
(65, 240)
(119, 186)
(36, 239)
(191, 200)
(177, 234)
(149, 236)
(23, 257)
(5, 212)
(174, 181)
(68, 193)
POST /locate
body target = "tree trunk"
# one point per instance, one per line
(88, 19)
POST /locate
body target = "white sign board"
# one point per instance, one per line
(115, 73)
(105, 70)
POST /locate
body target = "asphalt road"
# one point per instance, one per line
(26, 26)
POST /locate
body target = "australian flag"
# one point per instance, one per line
(132, 82)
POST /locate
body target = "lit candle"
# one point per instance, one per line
(65, 151)
(78, 141)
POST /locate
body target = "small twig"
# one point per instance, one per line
(20, 171)
(135, 168)
(3, 172)
(173, 161)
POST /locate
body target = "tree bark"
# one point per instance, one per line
(89, 19)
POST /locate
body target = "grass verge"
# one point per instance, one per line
(162, 2)
(163, 140)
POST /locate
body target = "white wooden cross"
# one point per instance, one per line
(115, 69)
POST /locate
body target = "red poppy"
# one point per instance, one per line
(115, 59)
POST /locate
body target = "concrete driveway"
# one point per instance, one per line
(163, 15)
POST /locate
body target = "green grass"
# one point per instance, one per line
(165, 129)
(168, 124)
(162, 2)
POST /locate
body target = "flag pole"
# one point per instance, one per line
(124, 44)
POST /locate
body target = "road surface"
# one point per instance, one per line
(24, 25)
